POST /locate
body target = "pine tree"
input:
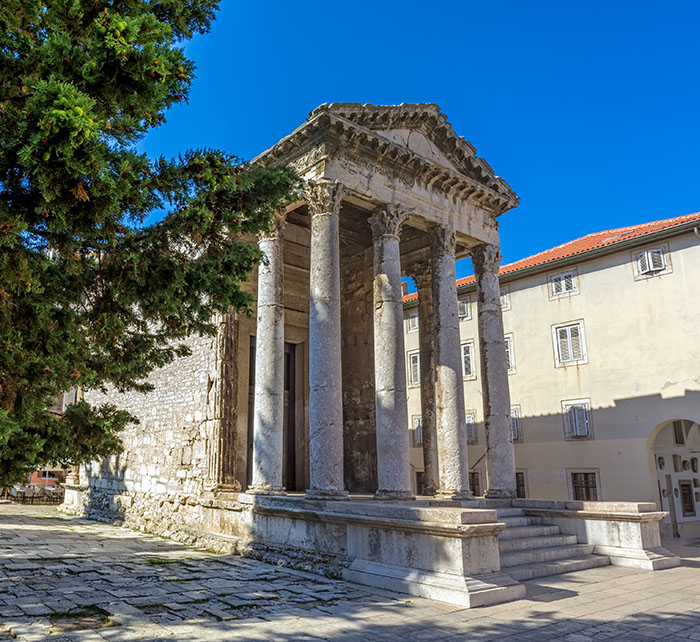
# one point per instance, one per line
(91, 296)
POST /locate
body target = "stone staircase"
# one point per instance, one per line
(530, 548)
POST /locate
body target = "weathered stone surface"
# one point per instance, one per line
(325, 372)
(269, 368)
(500, 457)
(449, 396)
(393, 472)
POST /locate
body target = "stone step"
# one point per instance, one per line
(509, 512)
(517, 532)
(520, 521)
(543, 541)
(556, 567)
(537, 555)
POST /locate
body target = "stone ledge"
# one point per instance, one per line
(599, 515)
(652, 559)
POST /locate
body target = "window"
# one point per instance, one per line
(520, 484)
(515, 423)
(414, 369)
(678, 433)
(687, 499)
(563, 284)
(463, 308)
(413, 321)
(468, 360)
(651, 261)
(505, 299)
(570, 344)
(475, 482)
(510, 355)
(584, 486)
(417, 431)
(577, 418)
(470, 420)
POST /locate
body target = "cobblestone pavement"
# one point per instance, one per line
(64, 579)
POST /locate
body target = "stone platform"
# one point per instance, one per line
(442, 550)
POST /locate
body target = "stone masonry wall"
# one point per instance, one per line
(172, 455)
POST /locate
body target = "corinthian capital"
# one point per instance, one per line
(422, 273)
(443, 242)
(387, 220)
(323, 196)
(486, 258)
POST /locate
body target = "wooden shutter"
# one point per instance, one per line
(556, 285)
(569, 282)
(509, 353)
(415, 369)
(656, 260)
(467, 369)
(515, 423)
(578, 420)
(563, 344)
(418, 431)
(576, 345)
(471, 427)
(643, 262)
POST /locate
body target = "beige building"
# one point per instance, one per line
(604, 370)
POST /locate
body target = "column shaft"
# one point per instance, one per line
(500, 456)
(325, 375)
(422, 274)
(449, 385)
(268, 417)
(393, 463)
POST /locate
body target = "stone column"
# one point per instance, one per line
(500, 457)
(423, 276)
(325, 375)
(393, 463)
(268, 417)
(449, 384)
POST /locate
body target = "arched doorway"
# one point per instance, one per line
(675, 446)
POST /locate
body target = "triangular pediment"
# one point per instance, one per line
(414, 138)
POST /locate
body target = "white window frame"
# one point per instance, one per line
(577, 426)
(413, 381)
(583, 358)
(472, 374)
(412, 318)
(470, 421)
(465, 302)
(416, 430)
(570, 482)
(561, 278)
(504, 294)
(510, 353)
(516, 427)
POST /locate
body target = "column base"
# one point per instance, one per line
(456, 495)
(326, 494)
(393, 495)
(499, 493)
(265, 489)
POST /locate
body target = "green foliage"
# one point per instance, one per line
(90, 296)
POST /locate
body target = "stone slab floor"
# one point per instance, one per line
(64, 579)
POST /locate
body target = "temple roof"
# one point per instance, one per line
(414, 140)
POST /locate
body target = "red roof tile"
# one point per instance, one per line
(582, 245)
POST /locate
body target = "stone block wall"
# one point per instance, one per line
(173, 453)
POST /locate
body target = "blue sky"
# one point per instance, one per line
(589, 110)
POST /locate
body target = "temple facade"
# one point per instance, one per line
(285, 436)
